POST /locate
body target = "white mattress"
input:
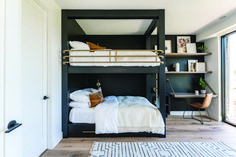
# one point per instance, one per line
(82, 115)
(106, 59)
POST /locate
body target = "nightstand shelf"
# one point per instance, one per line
(187, 72)
(187, 54)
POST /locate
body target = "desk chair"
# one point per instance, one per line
(206, 103)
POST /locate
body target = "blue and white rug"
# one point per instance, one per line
(161, 149)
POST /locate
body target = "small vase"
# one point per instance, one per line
(203, 91)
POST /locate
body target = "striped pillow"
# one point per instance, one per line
(95, 99)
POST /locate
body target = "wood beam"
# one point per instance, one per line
(151, 27)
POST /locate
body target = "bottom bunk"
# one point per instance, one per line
(117, 114)
(102, 112)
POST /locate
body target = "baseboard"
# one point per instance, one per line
(180, 113)
(55, 141)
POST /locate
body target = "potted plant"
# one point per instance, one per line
(202, 48)
(203, 85)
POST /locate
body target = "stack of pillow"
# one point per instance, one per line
(78, 45)
(86, 98)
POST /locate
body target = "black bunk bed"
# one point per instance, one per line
(128, 80)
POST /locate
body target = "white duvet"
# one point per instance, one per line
(128, 114)
(93, 58)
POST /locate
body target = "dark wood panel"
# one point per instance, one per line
(179, 104)
(110, 70)
(114, 41)
(77, 130)
(113, 14)
(151, 27)
(74, 29)
(81, 77)
(65, 98)
(112, 84)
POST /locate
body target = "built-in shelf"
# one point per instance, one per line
(190, 95)
(187, 54)
(187, 72)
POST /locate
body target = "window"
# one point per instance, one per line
(229, 77)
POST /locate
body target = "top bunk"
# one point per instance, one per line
(129, 53)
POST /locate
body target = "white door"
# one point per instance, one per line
(23, 78)
(10, 99)
(34, 78)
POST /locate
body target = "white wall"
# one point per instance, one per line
(214, 65)
(211, 36)
(54, 71)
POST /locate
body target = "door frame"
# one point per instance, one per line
(2, 75)
(223, 77)
(10, 76)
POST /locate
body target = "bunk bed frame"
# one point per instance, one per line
(158, 20)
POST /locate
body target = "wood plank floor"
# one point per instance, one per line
(178, 130)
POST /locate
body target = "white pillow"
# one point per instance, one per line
(95, 91)
(79, 104)
(78, 45)
(81, 95)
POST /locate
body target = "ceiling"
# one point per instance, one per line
(114, 27)
(182, 16)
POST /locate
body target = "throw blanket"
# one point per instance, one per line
(128, 114)
(106, 116)
(137, 114)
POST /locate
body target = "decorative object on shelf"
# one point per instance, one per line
(166, 69)
(196, 92)
(203, 85)
(192, 65)
(155, 47)
(191, 48)
(181, 43)
(202, 48)
(201, 67)
(203, 91)
(185, 49)
(168, 46)
(176, 66)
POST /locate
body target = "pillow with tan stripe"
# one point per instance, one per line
(95, 99)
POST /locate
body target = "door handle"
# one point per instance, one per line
(12, 125)
(45, 97)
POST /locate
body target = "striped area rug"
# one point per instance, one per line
(161, 149)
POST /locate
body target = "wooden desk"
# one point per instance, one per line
(189, 95)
